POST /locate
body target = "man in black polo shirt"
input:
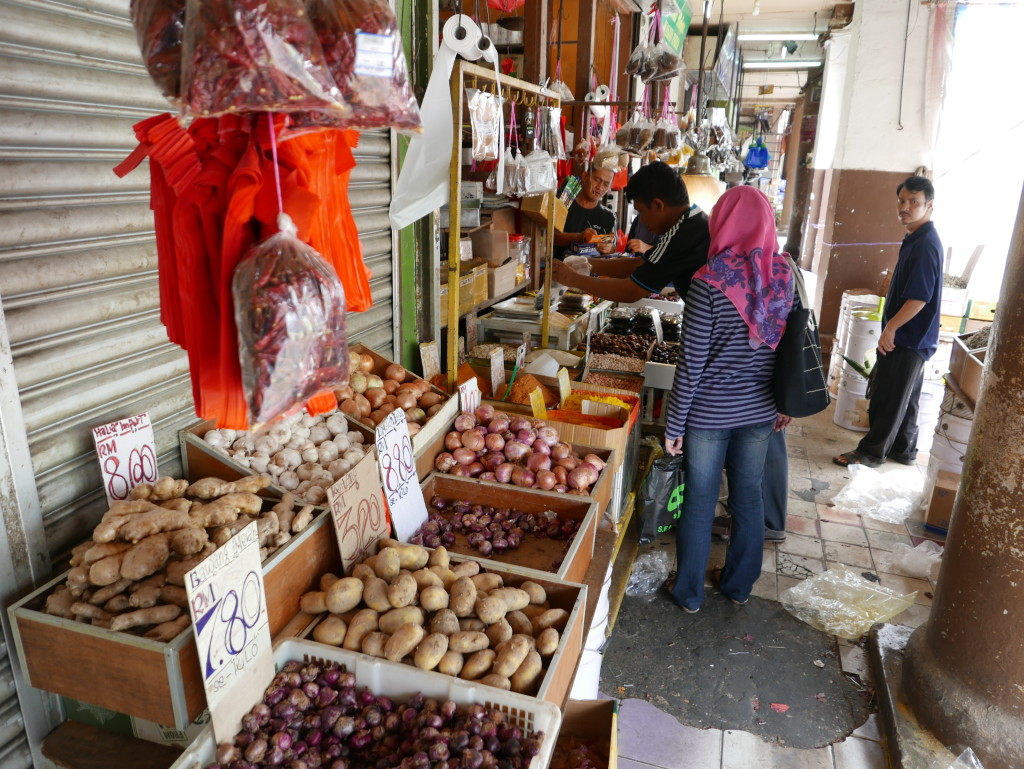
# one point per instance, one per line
(587, 217)
(910, 334)
(663, 204)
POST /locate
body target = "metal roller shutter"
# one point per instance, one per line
(78, 281)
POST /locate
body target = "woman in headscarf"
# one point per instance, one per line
(721, 410)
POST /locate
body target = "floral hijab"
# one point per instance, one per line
(744, 265)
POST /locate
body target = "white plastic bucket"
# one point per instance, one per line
(948, 455)
(953, 428)
(862, 340)
(588, 676)
(929, 406)
(836, 364)
(938, 365)
(851, 404)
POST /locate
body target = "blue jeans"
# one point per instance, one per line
(741, 451)
(776, 482)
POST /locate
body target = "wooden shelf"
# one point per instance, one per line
(487, 303)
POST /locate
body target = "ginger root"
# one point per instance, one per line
(165, 488)
(146, 557)
(267, 527)
(154, 615)
(175, 595)
(103, 550)
(302, 519)
(188, 541)
(223, 533)
(168, 631)
(179, 503)
(117, 604)
(106, 571)
(58, 603)
(176, 570)
(245, 502)
(285, 510)
(104, 594)
(211, 488)
(83, 610)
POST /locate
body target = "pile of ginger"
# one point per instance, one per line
(131, 575)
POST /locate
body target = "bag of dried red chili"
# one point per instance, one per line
(254, 56)
(159, 25)
(290, 313)
(364, 54)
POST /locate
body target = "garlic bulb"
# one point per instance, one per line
(315, 495)
(319, 433)
(259, 461)
(217, 439)
(288, 480)
(305, 470)
(355, 437)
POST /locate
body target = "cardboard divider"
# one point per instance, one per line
(593, 722)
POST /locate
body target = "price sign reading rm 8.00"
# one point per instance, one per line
(127, 454)
(229, 620)
(398, 475)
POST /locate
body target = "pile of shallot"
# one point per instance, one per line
(494, 446)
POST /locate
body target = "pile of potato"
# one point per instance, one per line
(368, 397)
(409, 604)
(131, 574)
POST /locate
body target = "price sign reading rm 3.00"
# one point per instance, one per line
(229, 620)
(127, 453)
(358, 512)
(398, 475)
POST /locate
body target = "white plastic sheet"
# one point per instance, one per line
(889, 497)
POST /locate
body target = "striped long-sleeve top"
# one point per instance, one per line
(720, 381)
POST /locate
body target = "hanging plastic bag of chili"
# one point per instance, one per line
(364, 55)
(159, 26)
(254, 56)
(290, 312)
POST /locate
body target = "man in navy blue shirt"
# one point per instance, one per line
(910, 334)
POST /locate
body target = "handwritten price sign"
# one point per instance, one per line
(398, 475)
(229, 620)
(358, 512)
(127, 453)
(469, 396)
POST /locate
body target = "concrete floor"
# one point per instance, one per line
(819, 535)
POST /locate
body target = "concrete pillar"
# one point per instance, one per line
(963, 671)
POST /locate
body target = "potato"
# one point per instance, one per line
(387, 564)
(532, 610)
(363, 571)
(430, 651)
(402, 590)
(375, 594)
(434, 598)
(439, 557)
(525, 679)
(447, 576)
(499, 632)
(466, 569)
(363, 623)
(477, 665)
(387, 542)
(395, 618)
(537, 593)
(403, 641)
(314, 602)
(493, 679)
(326, 580)
(373, 643)
(547, 641)
(425, 578)
(451, 663)
(490, 609)
(462, 597)
(487, 582)
(332, 631)
(412, 557)
(512, 655)
(555, 618)
(514, 598)
(519, 622)
(471, 623)
(444, 622)
(344, 595)
(467, 641)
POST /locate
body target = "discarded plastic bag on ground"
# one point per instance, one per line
(650, 570)
(921, 562)
(841, 602)
(889, 497)
(967, 759)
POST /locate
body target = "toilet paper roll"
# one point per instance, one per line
(462, 35)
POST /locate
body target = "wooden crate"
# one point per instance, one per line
(158, 682)
(595, 722)
(540, 555)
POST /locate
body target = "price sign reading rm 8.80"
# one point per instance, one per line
(398, 475)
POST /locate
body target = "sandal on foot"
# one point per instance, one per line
(904, 459)
(855, 458)
(670, 582)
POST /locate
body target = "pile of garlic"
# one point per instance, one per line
(302, 453)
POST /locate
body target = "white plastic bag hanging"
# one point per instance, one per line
(542, 176)
(485, 123)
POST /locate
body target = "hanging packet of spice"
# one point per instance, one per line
(485, 119)
(290, 313)
(159, 26)
(364, 55)
(254, 56)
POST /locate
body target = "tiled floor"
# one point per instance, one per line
(819, 536)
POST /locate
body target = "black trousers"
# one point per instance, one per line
(892, 410)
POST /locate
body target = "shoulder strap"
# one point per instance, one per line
(798, 283)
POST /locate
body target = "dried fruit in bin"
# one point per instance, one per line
(159, 27)
(290, 312)
(254, 56)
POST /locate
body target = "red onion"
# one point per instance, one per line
(546, 479)
(597, 470)
(453, 440)
(537, 462)
(492, 459)
(475, 469)
(460, 470)
(560, 451)
(526, 436)
(508, 436)
(523, 477)
(485, 413)
(561, 488)
(568, 463)
(473, 440)
(464, 422)
(487, 477)
(540, 447)
(595, 460)
(497, 425)
(548, 434)
(519, 423)
(494, 442)
(515, 451)
(537, 423)
(561, 474)
(503, 472)
(464, 456)
(582, 477)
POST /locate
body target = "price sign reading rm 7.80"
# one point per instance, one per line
(398, 475)
(229, 620)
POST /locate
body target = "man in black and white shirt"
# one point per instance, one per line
(663, 204)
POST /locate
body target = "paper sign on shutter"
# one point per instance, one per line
(127, 454)
(398, 475)
(357, 508)
(431, 359)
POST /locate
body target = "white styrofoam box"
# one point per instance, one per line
(659, 375)
(661, 305)
(399, 682)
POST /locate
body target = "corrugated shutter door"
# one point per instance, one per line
(78, 261)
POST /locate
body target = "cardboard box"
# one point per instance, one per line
(940, 505)
(595, 722)
(972, 324)
(501, 280)
(472, 285)
(951, 323)
(490, 244)
(537, 208)
(981, 310)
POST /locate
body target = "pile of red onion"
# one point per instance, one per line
(313, 716)
(494, 446)
(487, 529)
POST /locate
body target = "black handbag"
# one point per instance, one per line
(799, 380)
(661, 497)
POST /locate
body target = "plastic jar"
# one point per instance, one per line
(519, 250)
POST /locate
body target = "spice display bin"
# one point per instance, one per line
(140, 677)
(536, 554)
(399, 682)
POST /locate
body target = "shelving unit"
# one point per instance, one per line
(489, 302)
